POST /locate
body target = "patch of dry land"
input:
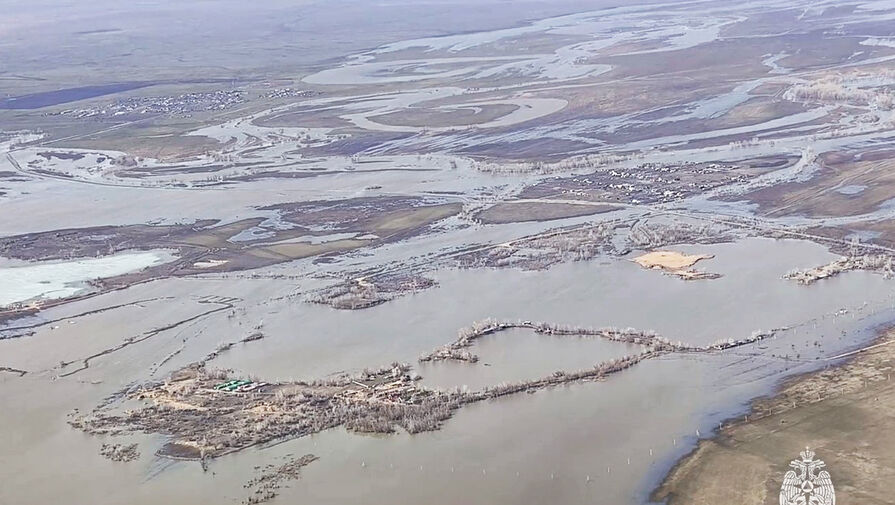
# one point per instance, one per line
(848, 183)
(515, 212)
(845, 414)
(675, 263)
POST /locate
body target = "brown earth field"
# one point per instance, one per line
(310, 117)
(648, 101)
(753, 112)
(827, 51)
(846, 414)
(516, 212)
(205, 246)
(389, 218)
(740, 58)
(760, 23)
(544, 149)
(426, 117)
(521, 45)
(632, 96)
(877, 233)
(161, 145)
(833, 191)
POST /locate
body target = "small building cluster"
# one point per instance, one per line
(240, 386)
(646, 183)
(178, 105)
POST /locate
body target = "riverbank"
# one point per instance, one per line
(846, 414)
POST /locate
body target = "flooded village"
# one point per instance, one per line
(441, 253)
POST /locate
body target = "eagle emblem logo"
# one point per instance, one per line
(804, 485)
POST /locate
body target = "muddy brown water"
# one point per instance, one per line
(565, 445)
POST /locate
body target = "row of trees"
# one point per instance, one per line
(587, 161)
(654, 235)
(838, 88)
(870, 262)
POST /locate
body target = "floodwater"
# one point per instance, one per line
(616, 293)
(568, 445)
(60, 279)
(606, 442)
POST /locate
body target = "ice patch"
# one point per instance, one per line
(49, 280)
(852, 189)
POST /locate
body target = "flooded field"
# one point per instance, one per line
(602, 294)
(528, 255)
(508, 448)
